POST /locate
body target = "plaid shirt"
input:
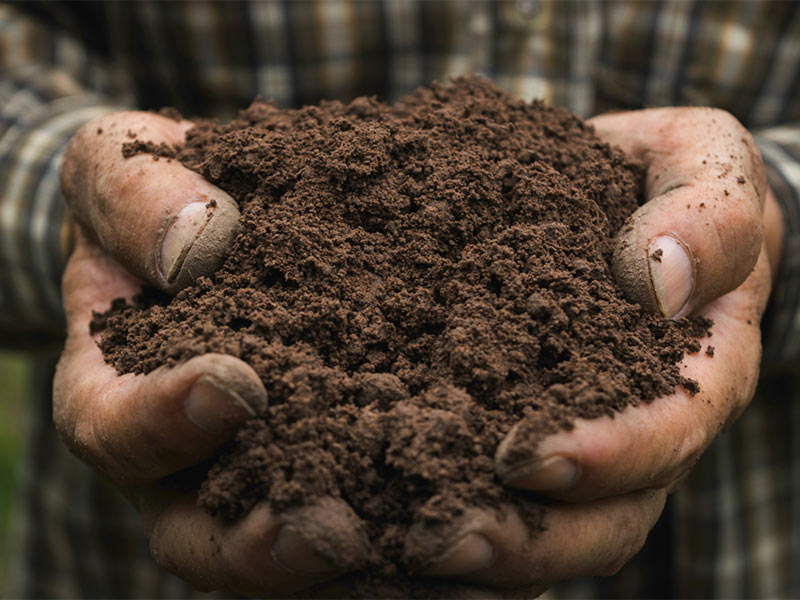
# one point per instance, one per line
(729, 531)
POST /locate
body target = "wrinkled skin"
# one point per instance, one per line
(144, 220)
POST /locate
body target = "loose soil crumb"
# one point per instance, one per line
(409, 282)
(138, 147)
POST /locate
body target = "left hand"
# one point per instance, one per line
(155, 221)
(708, 206)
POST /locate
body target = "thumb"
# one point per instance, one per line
(164, 223)
(699, 233)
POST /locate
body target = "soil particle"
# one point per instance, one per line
(409, 281)
(130, 149)
(171, 113)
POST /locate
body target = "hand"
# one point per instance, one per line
(167, 225)
(708, 204)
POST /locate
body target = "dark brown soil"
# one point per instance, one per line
(409, 282)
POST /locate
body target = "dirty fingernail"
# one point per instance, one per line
(180, 235)
(196, 240)
(471, 553)
(671, 273)
(553, 474)
(294, 554)
(214, 409)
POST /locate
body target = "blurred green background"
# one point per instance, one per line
(14, 379)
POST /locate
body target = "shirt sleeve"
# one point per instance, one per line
(50, 85)
(780, 148)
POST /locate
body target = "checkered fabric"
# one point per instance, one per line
(731, 530)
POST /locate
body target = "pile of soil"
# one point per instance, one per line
(409, 282)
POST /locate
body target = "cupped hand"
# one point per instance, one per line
(155, 221)
(718, 229)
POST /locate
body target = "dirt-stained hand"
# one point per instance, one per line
(156, 221)
(710, 213)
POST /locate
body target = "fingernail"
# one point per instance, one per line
(671, 273)
(214, 409)
(553, 474)
(470, 554)
(294, 554)
(180, 235)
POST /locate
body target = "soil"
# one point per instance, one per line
(409, 282)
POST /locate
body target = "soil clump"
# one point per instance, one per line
(409, 281)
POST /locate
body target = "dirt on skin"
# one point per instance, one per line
(409, 282)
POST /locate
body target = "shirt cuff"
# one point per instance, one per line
(780, 148)
(35, 233)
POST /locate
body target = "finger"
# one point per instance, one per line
(699, 234)
(161, 221)
(141, 427)
(497, 547)
(656, 444)
(262, 554)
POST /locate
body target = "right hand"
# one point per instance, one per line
(145, 220)
(608, 477)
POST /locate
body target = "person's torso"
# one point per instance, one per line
(214, 57)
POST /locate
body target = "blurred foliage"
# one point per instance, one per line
(14, 378)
